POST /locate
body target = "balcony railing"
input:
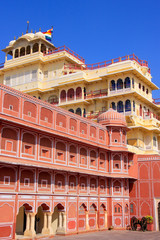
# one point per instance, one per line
(97, 93)
(66, 49)
(1, 65)
(93, 115)
(93, 66)
(156, 101)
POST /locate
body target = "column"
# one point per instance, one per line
(64, 221)
(105, 219)
(32, 217)
(87, 225)
(27, 222)
(49, 215)
(44, 230)
(30, 225)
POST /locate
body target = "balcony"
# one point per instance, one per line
(93, 115)
(119, 91)
(106, 63)
(66, 49)
(96, 94)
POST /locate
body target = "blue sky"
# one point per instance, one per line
(96, 30)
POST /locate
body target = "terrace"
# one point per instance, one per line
(93, 66)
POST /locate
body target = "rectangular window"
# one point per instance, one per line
(116, 166)
(72, 128)
(26, 182)
(9, 146)
(10, 107)
(34, 75)
(83, 161)
(72, 185)
(28, 149)
(131, 208)
(117, 189)
(45, 153)
(82, 186)
(93, 187)
(72, 158)
(93, 162)
(44, 183)
(7, 180)
(60, 155)
(59, 184)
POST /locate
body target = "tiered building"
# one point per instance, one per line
(60, 173)
(51, 150)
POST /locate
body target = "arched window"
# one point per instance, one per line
(63, 96)
(133, 106)
(119, 84)
(35, 47)
(154, 141)
(71, 110)
(147, 91)
(84, 112)
(127, 82)
(43, 48)
(78, 93)
(84, 92)
(78, 111)
(143, 88)
(28, 50)
(113, 105)
(53, 99)
(132, 82)
(16, 53)
(70, 94)
(112, 86)
(120, 106)
(127, 105)
(139, 85)
(140, 110)
(22, 51)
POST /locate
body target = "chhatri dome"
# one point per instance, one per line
(112, 118)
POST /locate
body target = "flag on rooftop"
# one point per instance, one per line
(48, 34)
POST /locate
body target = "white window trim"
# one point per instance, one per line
(7, 141)
(28, 182)
(59, 184)
(7, 178)
(44, 181)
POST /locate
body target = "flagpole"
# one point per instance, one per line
(52, 35)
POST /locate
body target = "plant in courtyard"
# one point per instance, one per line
(149, 219)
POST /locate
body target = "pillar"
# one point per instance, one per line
(61, 223)
(47, 223)
(105, 219)
(30, 225)
(44, 230)
(87, 222)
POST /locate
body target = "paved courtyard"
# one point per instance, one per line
(112, 235)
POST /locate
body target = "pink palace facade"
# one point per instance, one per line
(61, 173)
